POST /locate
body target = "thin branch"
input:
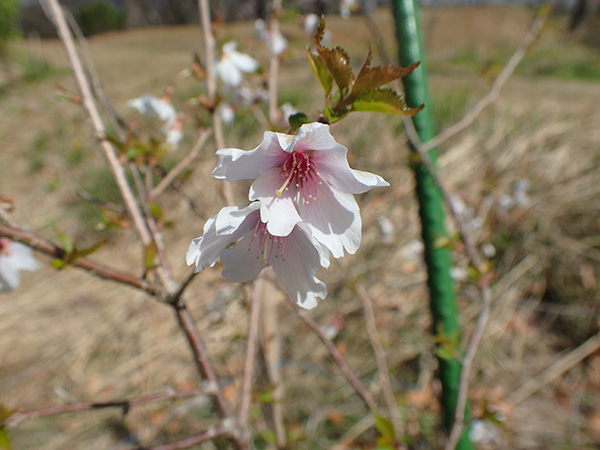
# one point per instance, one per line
(382, 367)
(17, 417)
(467, 363)
(100, 270)
(560, 366)
(181, 166)
(90, 106)
(204, 366)
(246, 389)
(211, 85)
(499, 83)
(115, 121)
(274, 64)
(190, 442)
(339, 359)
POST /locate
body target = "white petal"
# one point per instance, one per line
(321, 249)
(334, 168)
(315, 136)
(205, 250)
(297, 271)
(279, 213)
(334, 218)
(242, 262)
(237, 164)
(231, 218)
(228, 72)
(243, 62)
(9, 274)
(21, 257)
(152, 106)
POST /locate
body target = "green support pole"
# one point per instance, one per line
(439, 281)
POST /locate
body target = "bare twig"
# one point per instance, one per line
(90, 106)
(211, 85)
(382, 367)
(190, 442)
(359, 428)
(115, 121)
(560, 366)
(126, 404)
(204, 366)
(471, 250)
(274, 64)
(181, 166)
(271, 349)
(499, 83)
(44, 246)
(339, 359)
(246, 390)
(459, 418)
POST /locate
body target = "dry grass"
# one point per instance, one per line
(67, 336)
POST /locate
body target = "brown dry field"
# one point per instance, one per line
(67, 336)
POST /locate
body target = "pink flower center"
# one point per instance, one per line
(268, 245)
(300, 170)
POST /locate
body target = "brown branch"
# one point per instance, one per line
(339, 359)
(461, 404)
(246, 389)
(100, 270)
(181, 166)
(274, 64)
(90, 106)
(17, 417)
(382, 367)
(190, 442)
(560, 366)
(211, 85)
(204, 367)
(499, 83)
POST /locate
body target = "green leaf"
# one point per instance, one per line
(338, 64)
(383, 101)
(58, 263)
(89, 250)
(67, 242)
(156, 211)
(321, 72)
(445, 352)
(386, 429)
(4, 439)
(297, 120)
(150, 252)
(372, 78)
(266, 397)
(334, 115)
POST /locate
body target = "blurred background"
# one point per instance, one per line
(525, 176)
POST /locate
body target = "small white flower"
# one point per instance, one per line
(245, 246)
(174, 134)
(14, 257)
(151, 106)
(303, 178)
(233, 63)
(226, 113)
(386, 227)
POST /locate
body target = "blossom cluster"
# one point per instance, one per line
(302, 210)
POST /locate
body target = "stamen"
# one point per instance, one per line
(268, 245)
(300, 169)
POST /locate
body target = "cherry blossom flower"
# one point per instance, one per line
(233, 63)
(162, 109)
(303, 178)
(151, 106)
(275, 41)
(14, 257)
(245, 247)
